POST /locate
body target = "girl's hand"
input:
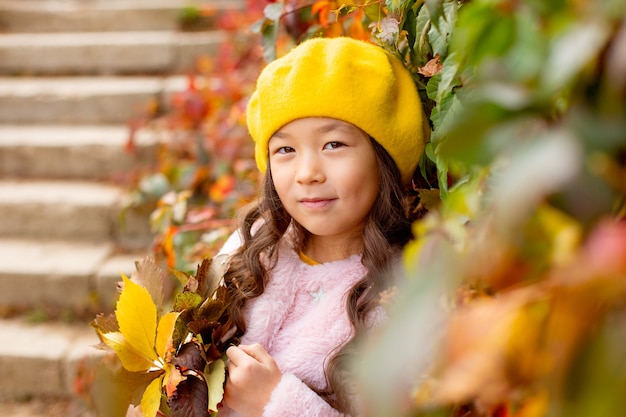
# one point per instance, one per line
(252, 376)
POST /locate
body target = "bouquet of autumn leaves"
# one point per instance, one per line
(177, 357)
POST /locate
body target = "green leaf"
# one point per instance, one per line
(442, 27)
(448, 77)
(438, 40)
(572, 52)
(397, 5)
(186, 301)
(435, 10)
(268, 28)
(408, 25)
(155, 185)
(525, 57)
(542, 165)
(212, 309)
(421, 44)
(442, 177)
(465, 136)
(444, 117)
(269, 35)
(429, 151)
(257, 26)
(274, 11)
(595, 383)
(476, 31)
(373, 11)
(215, 382)
(431, 199)
(463, 199)
(432, 88)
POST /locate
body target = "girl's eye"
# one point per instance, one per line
(284, 149)
(333, 145)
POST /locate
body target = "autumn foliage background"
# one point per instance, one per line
(514, 300)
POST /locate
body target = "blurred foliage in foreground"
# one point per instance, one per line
(514, 302)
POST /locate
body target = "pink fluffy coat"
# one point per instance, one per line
(301, 319)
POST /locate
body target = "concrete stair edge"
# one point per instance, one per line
(95, 152)
(43, 358)
(84, 100)
(106, 52)
(73, 277)
(59, 209)
(53, 16)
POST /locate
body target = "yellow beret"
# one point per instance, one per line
(346, 79)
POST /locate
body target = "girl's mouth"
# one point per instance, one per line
(316, 202)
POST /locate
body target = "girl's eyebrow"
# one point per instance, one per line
(335, 125)
(279, 135)
(325, 128)
(338, 126)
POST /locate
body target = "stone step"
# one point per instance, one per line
(83, 100)
(78, 210)
(61, 277)
(148, 52)
(106, 15)
(43, 359)
(74, 152)
(45, 406)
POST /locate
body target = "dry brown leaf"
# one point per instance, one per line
(431, 68)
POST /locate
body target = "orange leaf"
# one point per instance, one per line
(356, 26)
(322, 9)
(172, 379)
(481, 339)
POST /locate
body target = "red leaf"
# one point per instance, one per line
(192, 399)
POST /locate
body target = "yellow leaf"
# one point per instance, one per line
(534, 406)
(564, 233)
(525, 353)
(151, 400)
(131, 359)
(215, 382)
(164, 333)
(137, 316)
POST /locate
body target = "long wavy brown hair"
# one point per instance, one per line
(387, 228)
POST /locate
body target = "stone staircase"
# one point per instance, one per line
(72, 74)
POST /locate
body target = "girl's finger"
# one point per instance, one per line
(236, 355)
(256, 351)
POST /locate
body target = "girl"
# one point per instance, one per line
(338, 132)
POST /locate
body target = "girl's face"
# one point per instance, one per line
(326, 175)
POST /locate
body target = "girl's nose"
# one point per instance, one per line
(309, 170)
